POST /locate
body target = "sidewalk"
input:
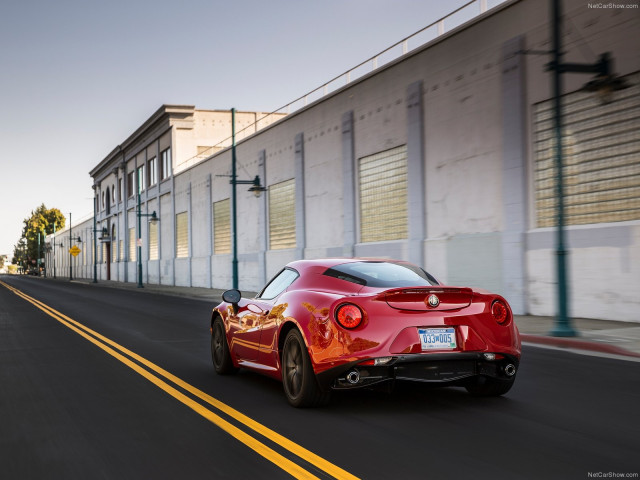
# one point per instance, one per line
(601, 336)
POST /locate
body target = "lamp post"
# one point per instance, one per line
(70, 256)
(95, 240)
(604, 80)
(38, 259)
(54, 250)
(95, 231)
(154, 217)
(256, 188)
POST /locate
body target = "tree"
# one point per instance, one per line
(41, 221)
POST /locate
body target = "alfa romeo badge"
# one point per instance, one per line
(433, 301)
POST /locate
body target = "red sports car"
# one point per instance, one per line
(331, 324)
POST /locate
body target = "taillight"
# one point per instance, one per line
(349, 315)
(500, 312)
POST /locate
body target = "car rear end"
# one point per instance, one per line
(428, 333)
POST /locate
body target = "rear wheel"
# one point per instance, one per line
(220, 354)
(298, 378)
(489, 387)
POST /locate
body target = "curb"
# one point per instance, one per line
(578, 344)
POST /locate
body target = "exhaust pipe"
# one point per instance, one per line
(510, 370)
(353, 377)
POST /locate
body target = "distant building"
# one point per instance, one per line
(443, 157)
(174, 138)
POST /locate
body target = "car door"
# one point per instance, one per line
(244, 332)
(246, 325)
(271, 319)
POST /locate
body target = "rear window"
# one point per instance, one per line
(382, 274)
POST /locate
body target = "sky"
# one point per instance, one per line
(77, 77)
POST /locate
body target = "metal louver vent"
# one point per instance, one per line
(601, 168)
(282, 215)
(222, 226)
(182, 235)
(383, 195)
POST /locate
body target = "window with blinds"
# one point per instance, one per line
(182, 235)
(282, 215)
(153, 240)
(132, 244)
(104, 252)
(121, 251)
(222, 227)
(383, 195)
(601, 158)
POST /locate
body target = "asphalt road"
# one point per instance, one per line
(71, 409)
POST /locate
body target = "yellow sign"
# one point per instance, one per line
(74, 250)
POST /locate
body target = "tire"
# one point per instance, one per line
(298, 379)
(489, 387)
(220, 355)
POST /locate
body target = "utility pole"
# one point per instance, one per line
(70, 256)
(234, 215)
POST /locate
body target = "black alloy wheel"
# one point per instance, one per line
(220, 354)
(298, 379)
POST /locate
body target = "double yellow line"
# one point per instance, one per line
(119, 352)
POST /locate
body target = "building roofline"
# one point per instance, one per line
(164, 110)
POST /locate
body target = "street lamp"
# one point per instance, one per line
(38, 260)
(70, 256)
(603, 82)
(95, 240)
(104, 232)
(54, 250)
(256, 188)
(154, 217)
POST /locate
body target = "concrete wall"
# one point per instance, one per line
(463, 106)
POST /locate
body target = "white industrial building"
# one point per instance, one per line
(443, 156)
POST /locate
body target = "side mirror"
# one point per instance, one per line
(232, 296)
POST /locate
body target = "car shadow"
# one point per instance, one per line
(406, 396)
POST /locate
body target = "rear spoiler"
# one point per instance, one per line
(427, 298)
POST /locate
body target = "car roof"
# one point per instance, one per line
(325, 263)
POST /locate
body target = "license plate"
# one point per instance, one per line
(437, 338)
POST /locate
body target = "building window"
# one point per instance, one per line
(153, 240)
(103, 202)
(130, 180)
(383, 195)
(222, 227)
(182, 235)
(153, 171)
(120, 189)
(282, 215)
(142, 181)
(601, 170)
(121, 251)
(165, 167)
(104, 252)
(132, 244)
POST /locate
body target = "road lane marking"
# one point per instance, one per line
(265, 451)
